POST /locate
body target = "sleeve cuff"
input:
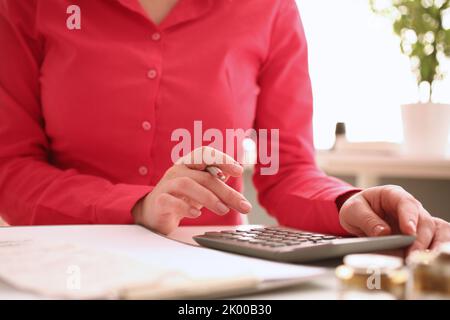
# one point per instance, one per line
(340, 198)
(344, 197)
(116, 205)
(317, 215)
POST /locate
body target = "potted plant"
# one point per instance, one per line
(424, 32)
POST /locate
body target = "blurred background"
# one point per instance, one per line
(361, 77)
(358, 71)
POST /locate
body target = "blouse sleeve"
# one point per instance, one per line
(299, 195)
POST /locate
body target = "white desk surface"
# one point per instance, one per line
(324, 287)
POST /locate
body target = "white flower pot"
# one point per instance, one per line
(426, 129)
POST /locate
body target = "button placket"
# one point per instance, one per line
(153, 74)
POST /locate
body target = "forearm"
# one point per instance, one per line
(34, 192)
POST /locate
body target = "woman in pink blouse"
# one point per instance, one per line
(92, 91)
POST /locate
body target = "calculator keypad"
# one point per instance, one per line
(272, 237)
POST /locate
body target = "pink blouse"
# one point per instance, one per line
(86, 114)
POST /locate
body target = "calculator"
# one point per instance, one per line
(289, 245)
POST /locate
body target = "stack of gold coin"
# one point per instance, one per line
(380, 275)
(430, 274)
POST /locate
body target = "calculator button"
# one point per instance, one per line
(244, 238)
(256, 241)
(214, 234)
(276, 245)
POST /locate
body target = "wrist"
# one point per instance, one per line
(340, 200)
(136, 211)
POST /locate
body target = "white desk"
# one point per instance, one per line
(321, 288)
(325, 288)
(369, 168)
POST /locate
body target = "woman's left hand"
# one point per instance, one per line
(388, 210)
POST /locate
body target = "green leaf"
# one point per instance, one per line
(412, 15)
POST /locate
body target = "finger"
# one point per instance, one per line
(441, 234)
(202, 157)
(185, 186)
(425, 232)
(170, 204)
(396, 202)
(362, 220)
(191, 202)
(224, 192)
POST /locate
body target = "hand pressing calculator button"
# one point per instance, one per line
(289, 245)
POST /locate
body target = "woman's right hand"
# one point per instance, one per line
(185, 188)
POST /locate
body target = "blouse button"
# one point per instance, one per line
(146, 125)
(152, 74)
(156, 36)
(143, 171)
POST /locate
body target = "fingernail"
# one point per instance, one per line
(245, 206)
(222, 208)
(377, 230)
(194, 212)
(412, 225)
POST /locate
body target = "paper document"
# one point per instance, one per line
(127, 262)
(70, 271)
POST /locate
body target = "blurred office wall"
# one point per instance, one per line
(358, 73)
